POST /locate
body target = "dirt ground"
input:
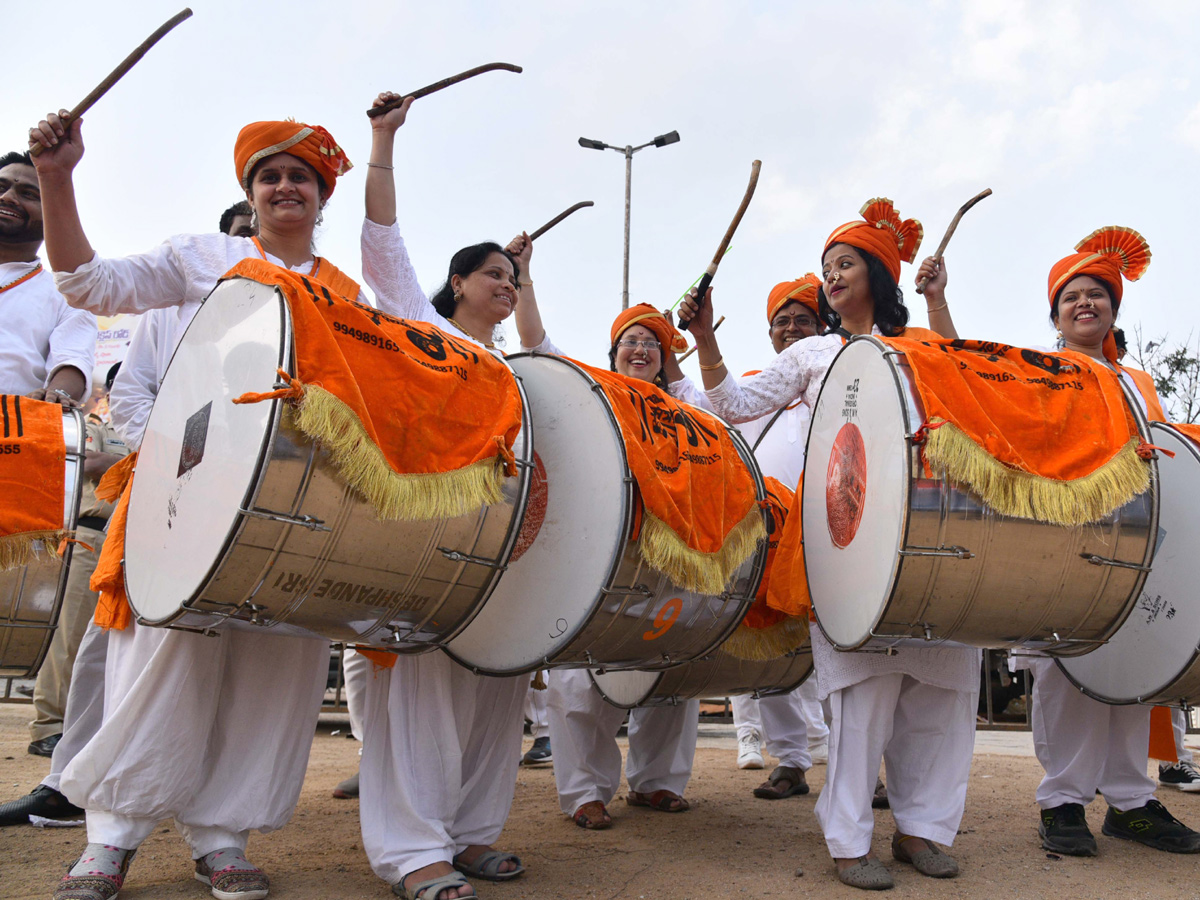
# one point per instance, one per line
(728, 845)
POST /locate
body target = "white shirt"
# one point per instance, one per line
(780, 453)
(171, 281)
(40, 333)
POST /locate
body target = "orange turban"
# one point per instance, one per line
(646, 315)
(803, 289)
(1107, 254)
(311, 143)
(882, 234)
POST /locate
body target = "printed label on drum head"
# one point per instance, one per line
(846, 485)
(195, 436)
(535, 510)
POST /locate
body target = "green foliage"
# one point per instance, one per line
(1175, 369)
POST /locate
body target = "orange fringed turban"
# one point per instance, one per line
(803, 289)
(882, 234)
(646, 315)
(311, 143)
(1107, 254)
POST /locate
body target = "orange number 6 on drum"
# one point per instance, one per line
(666, 617)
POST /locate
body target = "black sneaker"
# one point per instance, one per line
(539, 753)
(45, 747)
(1063, 829)
(41, 801)
(1153, 826)
(1183, 776)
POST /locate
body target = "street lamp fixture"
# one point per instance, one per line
(671, 137)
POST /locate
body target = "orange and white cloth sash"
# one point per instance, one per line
(32, 475)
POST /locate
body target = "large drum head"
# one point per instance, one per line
(1156, 646)
(547, 594)
(200, 456)
(627, 688)
(855, 493)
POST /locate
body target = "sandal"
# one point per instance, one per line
(931, 861)
(593, 816)
(868, 875)
(663, 801)
(431, 889)
(95, 885)
(487, 866)
(784, 781)
(231, 876)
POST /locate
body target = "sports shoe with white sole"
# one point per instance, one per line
(1183, 776)
(750, 751)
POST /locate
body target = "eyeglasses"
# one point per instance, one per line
(640, 345)
(801, 320)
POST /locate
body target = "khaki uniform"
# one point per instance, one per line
(79, 601)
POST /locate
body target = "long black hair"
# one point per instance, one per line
(891, 315)
(463, 263)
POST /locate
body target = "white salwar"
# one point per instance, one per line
(441, 745)
(587, 759)
(536, 712)
(914, 710)
(214, 732)
(85, 703)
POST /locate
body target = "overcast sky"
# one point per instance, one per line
(1076, 114)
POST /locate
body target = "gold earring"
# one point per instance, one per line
(1058, 334)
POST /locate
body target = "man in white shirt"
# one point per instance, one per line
(47, 349)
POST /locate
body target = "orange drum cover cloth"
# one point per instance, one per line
(421, 423)
(702, 518)
(1162, 735)
(108, 578)
(33, 459)
(767, 633)
(1036, 435)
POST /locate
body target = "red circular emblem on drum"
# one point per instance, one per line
(535, 510)
(846, 485)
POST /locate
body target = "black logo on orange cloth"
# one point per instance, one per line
(658, 417)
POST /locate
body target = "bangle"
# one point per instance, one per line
(720, 362)
(61, 393)
(525, 283)
(935, 308)
(372, 165)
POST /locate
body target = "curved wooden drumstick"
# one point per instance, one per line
(562, 215)
(376, 111)
(119, 72)
(702, 287)
(691, 350)
(941, 248)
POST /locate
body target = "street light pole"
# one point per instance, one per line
(628, 150)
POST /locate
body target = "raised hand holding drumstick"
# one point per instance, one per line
(61, 145)
(932, 274)
(529, 318)
(699, 319)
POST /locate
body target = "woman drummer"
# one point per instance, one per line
(916, 709)
(214, 732)
(583, 726)
(1085, 746)
(440, 743)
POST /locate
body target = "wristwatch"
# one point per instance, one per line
(62, 393)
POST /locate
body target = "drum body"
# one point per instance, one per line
(236, 516)
(1155, 656)
(580, 595)
(894, 556)
(31, 595)
(717, 675)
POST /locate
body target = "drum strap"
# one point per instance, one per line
(779, 412)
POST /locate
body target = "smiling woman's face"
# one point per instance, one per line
(285, 191)
(639, 355)
(1085, 312)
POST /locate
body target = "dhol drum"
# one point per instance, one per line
(894, 556)
(1155, 656)
(580, 594)
(31, 595)
(236, 516)
(717, 675)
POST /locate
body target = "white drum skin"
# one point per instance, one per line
(31, 595)
(1155, 655)
(894, 556)
(236, 517)
(580, 595)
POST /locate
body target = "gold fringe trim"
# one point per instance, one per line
(416, 497)
(18, 550)
(772, 642)
(692, 570)
(1014, 492)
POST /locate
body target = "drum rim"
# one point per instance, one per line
(898, 563)
(286, 355)
(1154, 698)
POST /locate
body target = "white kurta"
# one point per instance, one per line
(441, 745)
(212, 731)
(41, 333)
(910, 709)
(587, 759)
